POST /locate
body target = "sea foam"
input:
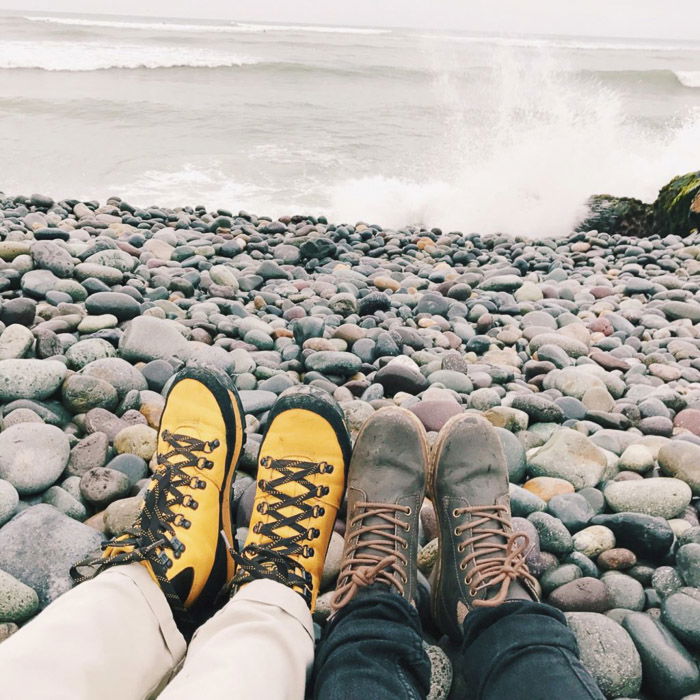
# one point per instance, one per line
(548, 145)
(689, 78)
(86, 56)
(222, 26)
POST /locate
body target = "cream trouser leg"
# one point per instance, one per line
(260, 645)
(114, 638)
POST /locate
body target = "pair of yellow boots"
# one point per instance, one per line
(184, 534)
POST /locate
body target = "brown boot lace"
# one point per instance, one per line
(492, 563)
(381, 561)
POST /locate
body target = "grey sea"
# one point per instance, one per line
(482, 133)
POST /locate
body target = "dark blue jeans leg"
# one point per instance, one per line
(372, 650)
(522, 651)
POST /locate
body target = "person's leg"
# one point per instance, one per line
(113, 637)
(372, 647)
(522, 650)
(260, 645)
(484, 597)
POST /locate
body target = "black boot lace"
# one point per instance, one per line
(276, 558)
(153, 537)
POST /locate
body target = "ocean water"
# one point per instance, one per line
(396, 127)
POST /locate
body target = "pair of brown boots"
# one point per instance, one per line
(481, 561)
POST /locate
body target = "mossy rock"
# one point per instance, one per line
(677, 208)
(623, 215)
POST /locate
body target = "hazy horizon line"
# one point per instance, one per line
(205, 20)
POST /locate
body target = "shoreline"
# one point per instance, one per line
(584, 352)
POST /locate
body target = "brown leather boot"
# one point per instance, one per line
(386, 484)
(481, 561)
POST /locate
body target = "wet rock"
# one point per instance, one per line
(668, 669)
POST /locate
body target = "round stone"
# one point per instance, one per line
(594, 540)
(138, 440)
(29, 379)
(334, 557)
(623, 591)
(18, 602)
(121, 514)
(440, 672)
(554, 537)
(86, 351)
(80, 394)
(681, 459)
(43, 561)
(688, 563)
(33, 456)
(329, 362)
(100, 486)
(62, 500)
(609, 654)
(661, 496)
(9, 498)
(681, 614)
(15, 342)
(123, 306)
(616, 559)
(117, 372)
(569, 455)
(547, 487)
(582, 595)
(669, 669)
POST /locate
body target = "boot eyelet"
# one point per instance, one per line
(256, 528)
(261, 484)
(404, 545)
(262, 507)
(462, 567)
(409, 510)
(455, 513)
(456, 532)
(407, 527)
(472, 592)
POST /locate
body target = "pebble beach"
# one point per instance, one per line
(583, 350)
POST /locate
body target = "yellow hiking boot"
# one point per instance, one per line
(301, 481)
(183, 532)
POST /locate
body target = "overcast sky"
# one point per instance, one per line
(678, 19)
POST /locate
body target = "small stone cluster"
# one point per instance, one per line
(583, 351)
